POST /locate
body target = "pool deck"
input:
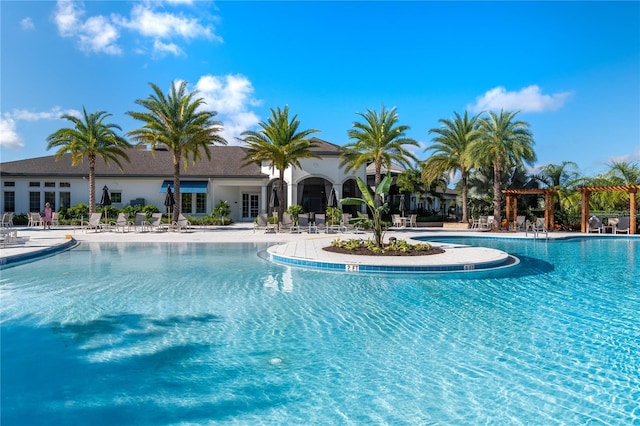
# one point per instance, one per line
(299, 246)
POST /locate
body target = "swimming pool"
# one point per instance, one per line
(200, 333)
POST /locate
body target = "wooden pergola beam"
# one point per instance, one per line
(586, 195)
(549, 195)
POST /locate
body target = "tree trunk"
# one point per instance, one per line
(177, 207)
(497, 195)
(280, 196)
(377, 180)
(465, 196)
(92, 184)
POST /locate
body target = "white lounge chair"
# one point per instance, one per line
(156, 223)
(413, 221)
(55, 219)
(520, 223)
(34, 220)
(287, 224)
(140, 223)
(321, 222)
(7, 220)
(262, 222)
(182, 223)
(95, 223)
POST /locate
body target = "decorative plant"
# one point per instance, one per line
(295, 210)
(369, 199)
(334, 215)
(221, 211)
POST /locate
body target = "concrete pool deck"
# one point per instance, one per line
(294, 246)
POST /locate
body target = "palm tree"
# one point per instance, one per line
(562, 177)
(90, 137)
(379, 140)
(504, 143)
(280, 144)
(627, 172)
(178, 122)
(451, 152)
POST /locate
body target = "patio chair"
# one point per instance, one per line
(595, 224)
(622, 227)
(34, 220)
(95, 223)
(262, 222)
(156, 223)
(7, 220)
(287, 224)
(121, 223)
(140, 223)
(321, 222)
(181, 223)
(520, 223)
(55, 219)
(396, 222)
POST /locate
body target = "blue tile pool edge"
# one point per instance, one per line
(18, 259)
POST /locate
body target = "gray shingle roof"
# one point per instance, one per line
(226, 162)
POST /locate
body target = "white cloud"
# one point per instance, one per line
(53, 114)
(100, 34)
(528, 99)
(27, 24)
(9, 138)
(231, 96)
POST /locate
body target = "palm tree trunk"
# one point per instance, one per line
(280, 196)
(177, 209)
(497, 195)
(377, 180)
(92, 184)
(465, 196)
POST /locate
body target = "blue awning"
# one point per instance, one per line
(187, 187)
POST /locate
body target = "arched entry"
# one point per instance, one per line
(313, 194)
(350, 189)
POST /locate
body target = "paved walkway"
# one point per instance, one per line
(303, 245)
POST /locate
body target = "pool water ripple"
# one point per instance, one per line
(196, 333)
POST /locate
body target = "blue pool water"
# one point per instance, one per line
(176, 334)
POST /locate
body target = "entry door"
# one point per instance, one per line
(250, 205)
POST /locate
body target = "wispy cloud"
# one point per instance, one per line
(9, 136)
(232, 97)
(100, 34)
(27, 24)
(528, 99)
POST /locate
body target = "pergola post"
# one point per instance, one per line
(584, 208)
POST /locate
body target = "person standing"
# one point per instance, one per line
(47, 215)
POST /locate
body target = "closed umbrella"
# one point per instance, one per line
(402, 205)
(333, 199)
(105, 201)
(169, 201)
(274, 199)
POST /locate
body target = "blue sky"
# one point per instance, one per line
(572, 69)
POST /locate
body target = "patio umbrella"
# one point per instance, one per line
(274, 199)
(105, 201)
(402, 205)
(169, 201)
(333, 200)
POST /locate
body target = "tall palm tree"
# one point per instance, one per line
(504, 142)
(451, 152)
(281, 144)
(627, 172)
(562, 177)
(177, 121)
(90, 137)
(379, 140)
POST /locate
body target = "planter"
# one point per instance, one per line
(455, 225)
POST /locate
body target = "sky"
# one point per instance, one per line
(572, 69)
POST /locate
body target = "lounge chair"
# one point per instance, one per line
(34, 220)
(321, 222)
(622, 227)
(262, 222)
(413, 221)
(156, 223)
(396, 222)
(55, 219)
(95, 223)
(121, 223)
(287, 224)
(181, 223)
(140, 223)
(595, 225)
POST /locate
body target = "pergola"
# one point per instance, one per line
(586, 194)
(512, 203)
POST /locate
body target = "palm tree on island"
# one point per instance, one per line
(91, 138)
(281, 144)
(379, 140)
(451, 152)
(178, 122)
(504, 143)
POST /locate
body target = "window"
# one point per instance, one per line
(9, 201)
(201, 203)
(65, 185)
(116, 197)
(250, 205)
(186, 203)
(65, 200)
(34, 184)
(49, 184)
(34, 202)
(50, 197)
(9, 184)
